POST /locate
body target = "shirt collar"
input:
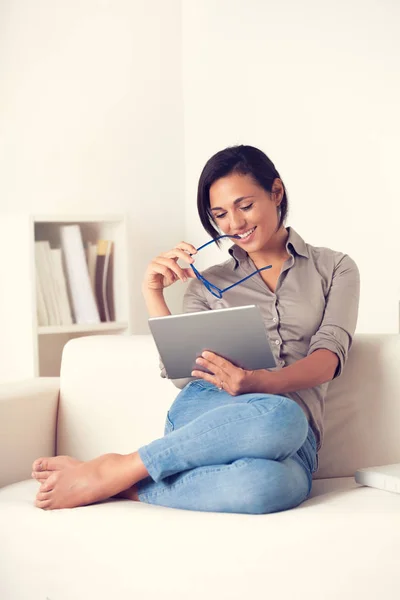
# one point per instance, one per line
(294, 241)
(297, 243)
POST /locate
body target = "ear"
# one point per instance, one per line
(277, 191)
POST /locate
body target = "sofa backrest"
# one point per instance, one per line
(362, 409)
(114, 400)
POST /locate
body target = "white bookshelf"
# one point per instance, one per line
(79, 328)
(30, 350)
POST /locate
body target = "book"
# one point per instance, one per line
(41, 310)
(91, 257)
(104, 280)
(84, 305)
(61, 287)
(44, 269)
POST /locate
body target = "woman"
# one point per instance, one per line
(236, 441)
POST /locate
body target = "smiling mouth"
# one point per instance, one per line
(247, 234)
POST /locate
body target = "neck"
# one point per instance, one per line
(274, 250)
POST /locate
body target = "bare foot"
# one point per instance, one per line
(45, 466)
(129, 494)
(90, 482)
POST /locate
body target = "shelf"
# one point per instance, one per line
(83, 327)
(33, 350)
(110, 218)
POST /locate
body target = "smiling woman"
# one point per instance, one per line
(243, 177)
(236, 440)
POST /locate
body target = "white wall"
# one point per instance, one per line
(315, 85)
(91, 117)
(108, 106)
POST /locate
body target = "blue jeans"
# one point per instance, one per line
(253, 453)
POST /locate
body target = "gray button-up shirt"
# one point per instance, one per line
(315, 305)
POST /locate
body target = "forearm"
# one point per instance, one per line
(155, 303)
(308, 372)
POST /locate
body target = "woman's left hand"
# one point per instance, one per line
(227, 376)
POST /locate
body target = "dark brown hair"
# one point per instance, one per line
(245, 160)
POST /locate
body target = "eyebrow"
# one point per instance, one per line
(234, 202)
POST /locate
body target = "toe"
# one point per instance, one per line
(40, 464)
(42, 496)
(45, 504)
(43, 499)
(36, 463)
(49, 483)
(41, 477)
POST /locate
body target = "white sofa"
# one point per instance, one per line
(343, 543)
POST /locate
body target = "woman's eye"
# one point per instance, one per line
(241, 208)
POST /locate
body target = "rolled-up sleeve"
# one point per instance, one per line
(339, 321)
(193, 301)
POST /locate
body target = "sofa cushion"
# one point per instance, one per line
(123, 549)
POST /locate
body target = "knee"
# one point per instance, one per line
(284, 418)
(268, 486)
(295, 419)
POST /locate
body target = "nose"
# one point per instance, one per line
(237, 222)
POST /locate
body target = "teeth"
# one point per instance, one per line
(244, 235)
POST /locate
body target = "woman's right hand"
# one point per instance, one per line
(164, 270)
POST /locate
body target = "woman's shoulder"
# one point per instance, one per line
(330, 259)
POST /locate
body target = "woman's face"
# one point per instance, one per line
(241, 207)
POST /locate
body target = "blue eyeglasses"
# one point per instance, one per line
(213, 289)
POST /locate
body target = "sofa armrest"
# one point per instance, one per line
(28, 417)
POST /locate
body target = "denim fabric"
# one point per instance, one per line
(253, 453)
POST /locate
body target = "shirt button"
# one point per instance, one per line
(277, 342)
(275, 319)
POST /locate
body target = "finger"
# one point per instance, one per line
(210, 361)
(176, 253)
(187, 247)
(219, 361)
(217, 371)
(157, 269)
(190, 273)
(205, 376)
(219, 383)
(171, 266)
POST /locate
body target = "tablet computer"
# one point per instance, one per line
(237, 334)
